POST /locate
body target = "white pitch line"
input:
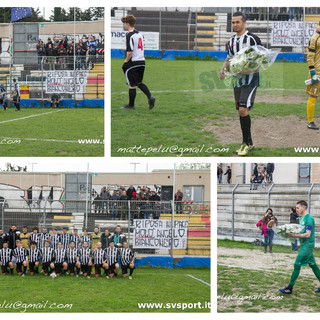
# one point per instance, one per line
(208, 284)
(35, 115)
(261, 269)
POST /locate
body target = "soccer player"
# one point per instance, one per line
(75, 238)
(35, 236)
(24, 237)
(72, 259)
(246, 86)
(127, 260)
(99, 260)
(134, 64)
(16, 94)
(55, 100)
(65, 238)
(54, 239)
(47, 256)
(85, 257)
(95, 238)
(34, 257)
(3, 101)
(6, 259)
(86, 238)
(20, 254)
(313, 89)
(44, 235)
(112, 256)
(60, 263)
(305, 256)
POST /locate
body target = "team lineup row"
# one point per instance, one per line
(59, 261)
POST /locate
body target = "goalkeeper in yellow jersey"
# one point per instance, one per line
(313, 89)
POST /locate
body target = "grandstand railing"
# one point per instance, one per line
(104, 214)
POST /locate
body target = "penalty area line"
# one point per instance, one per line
(35, 115)
(208, 284)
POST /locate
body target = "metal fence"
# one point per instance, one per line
(107, 214)
(209, 28)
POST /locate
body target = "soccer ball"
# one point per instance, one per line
(53, 275)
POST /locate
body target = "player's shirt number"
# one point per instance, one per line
(140, 44)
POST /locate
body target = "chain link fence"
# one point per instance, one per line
(177, 228)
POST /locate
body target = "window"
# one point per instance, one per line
(193, 193)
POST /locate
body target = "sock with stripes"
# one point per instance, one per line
(24, 269)
(144, 89)
(131, 271)
(132, 96)
(310, 108)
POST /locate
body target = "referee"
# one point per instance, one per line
(134, 64)
(246, 86)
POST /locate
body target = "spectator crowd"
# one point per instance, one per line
(62, 54)
(262, 175)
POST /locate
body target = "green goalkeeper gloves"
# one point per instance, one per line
(314, 78)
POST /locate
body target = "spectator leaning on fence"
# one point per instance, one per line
(178, 200)
(105, 196)
(123, 205)
(154, 201)
(114, 199)
(130, 191)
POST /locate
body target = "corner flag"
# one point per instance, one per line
(18, 13)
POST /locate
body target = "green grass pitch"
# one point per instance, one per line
(190, 98)
(36, 132)
(149, 285)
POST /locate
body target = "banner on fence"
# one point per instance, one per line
(118, 39)
(157, 234)
(292, 33)
(66, 81)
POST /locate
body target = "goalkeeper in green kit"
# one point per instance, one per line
(305, 255)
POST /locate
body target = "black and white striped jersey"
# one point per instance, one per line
(84, 255)
(60, 255)
(135, 44)
(86, 238)
(20, 254)
(126, 256)
(35, 237)
(99, 256)
(112, 254)
(54, 240)
(72, 255)
(43, 238)
(234, 45)
(47, 255)
(76, 240)
(65, 239)
(5, 256)
(34, 254)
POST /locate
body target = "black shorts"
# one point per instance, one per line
(4, 269)
(125, 268)
(245, 95)
(19, 267)
(112, 267)
(31, 266)
(58, 267)
(134, 72)
(71, 267)
(2, 100)
(97, 268)
(85, 268)
(46, 266)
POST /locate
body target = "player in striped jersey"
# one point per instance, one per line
(20, 255)
(99, 260)
(246, 87)
(72, 259)
(54, 239)
(75, 238)
(25, 237)
(95, 238)
(35, 236)
(85, 257)
(34, 257)
(134, 64)
(3, 101)
(127, 260)
(43, 237)
(6, 259)
(65, 238)
(86, 238)
(47, 256)
(112, 255)
(60, 264)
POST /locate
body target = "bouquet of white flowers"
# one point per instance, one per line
(251, 60)
(283, 230)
